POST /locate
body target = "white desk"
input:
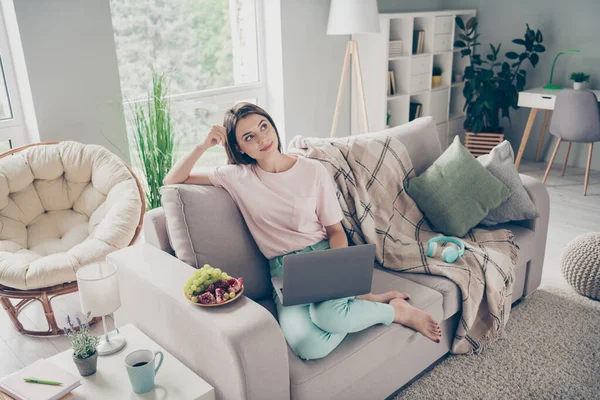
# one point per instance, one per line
(537, 99)
(173, 380)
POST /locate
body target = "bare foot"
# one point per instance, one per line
(419, 320)
(384, 297)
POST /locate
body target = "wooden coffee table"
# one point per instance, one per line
(173, 381)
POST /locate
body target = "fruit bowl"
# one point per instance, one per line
(217, 304)
(210, 287)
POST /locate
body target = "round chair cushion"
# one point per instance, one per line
(62, 207)
(580, 264)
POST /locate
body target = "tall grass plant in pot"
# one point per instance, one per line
(492, 86)
(154, 137)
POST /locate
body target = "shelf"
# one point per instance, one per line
(440, 88)
(406, 57)
(456, 116)
(455, 84)
(420, 55)
(397, 96)
(443, 52)
(420, 92)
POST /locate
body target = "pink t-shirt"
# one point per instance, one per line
(284, 211)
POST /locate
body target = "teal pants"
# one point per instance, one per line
(314, 330)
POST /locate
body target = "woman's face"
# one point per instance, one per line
(256, 137)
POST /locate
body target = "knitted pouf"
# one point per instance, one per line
(580, 264)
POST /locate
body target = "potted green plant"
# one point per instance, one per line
(154, 138)
(578, 79)
(436, 78)
(492, 87)
(84, 345)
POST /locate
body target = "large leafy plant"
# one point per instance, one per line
(154, 138)
(492, 87)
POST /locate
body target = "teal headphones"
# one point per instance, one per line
(450, 253)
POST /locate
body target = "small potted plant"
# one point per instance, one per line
(436, 79)
(578, 79)
(84, 346)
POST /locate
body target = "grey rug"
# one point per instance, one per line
(552, 352)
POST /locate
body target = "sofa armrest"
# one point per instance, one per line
(238, 348)
(539, 195)
(155, 230)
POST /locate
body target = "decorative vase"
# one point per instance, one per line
(436, 80)
(87, 366)
(481, 143)
(577, 85)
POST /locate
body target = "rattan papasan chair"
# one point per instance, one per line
(62, 206)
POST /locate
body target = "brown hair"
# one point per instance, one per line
(232, 116)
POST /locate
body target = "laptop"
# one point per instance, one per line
(324, 275)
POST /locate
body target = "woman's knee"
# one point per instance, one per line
(311, 342)
(331, 315)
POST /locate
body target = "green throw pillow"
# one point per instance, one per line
(456, 192)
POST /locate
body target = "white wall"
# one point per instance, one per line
(312, 68)
(312, 65)
(72, 66)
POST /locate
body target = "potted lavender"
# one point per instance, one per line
(84, 346)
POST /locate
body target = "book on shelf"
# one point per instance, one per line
(391, 84)
(15, 386)
(395, 48)
(418, 41)
(414, 111)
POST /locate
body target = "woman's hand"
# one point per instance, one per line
(215, 136)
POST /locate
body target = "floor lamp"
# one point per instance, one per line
(351, 17)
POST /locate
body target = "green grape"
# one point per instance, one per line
(217, 271)
(206, 266)
(216, 275)
(210, 270)
(226, 296)
(194, 287)
(232, 295)
(190, 292)
(195, 299)
(197, 273)
(196, 282)
(202, 279)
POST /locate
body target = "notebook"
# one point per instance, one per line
(15, 386)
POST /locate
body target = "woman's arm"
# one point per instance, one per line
(336, 236)
(180, 173)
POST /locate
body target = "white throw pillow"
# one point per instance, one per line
(500, 162)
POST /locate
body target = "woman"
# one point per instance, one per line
(290, 206)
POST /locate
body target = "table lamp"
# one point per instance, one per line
(351, 17)
(550, 85)
(99, 295)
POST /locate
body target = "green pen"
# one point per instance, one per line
(36, 380)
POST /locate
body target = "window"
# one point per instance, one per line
(211, 48)
(12, 126)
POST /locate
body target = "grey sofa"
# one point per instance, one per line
(239, 348)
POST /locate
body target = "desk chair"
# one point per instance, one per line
(576, 118)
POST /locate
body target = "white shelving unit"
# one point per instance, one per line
(413, 72)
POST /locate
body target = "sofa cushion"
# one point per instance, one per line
(524, 238)
(456, 192)
(195, 217)
(501, 163)
(420, 137)
(363, 351)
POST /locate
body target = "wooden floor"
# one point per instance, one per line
(571, 214)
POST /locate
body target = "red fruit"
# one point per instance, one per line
(211, 289)
(206, 298)
(219, 295)
(221, 284)
(237, 285)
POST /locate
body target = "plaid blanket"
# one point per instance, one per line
(370, 174)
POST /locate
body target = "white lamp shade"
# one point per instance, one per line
(347, 17)
(98, 289)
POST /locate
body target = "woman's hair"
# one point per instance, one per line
(232, 116)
